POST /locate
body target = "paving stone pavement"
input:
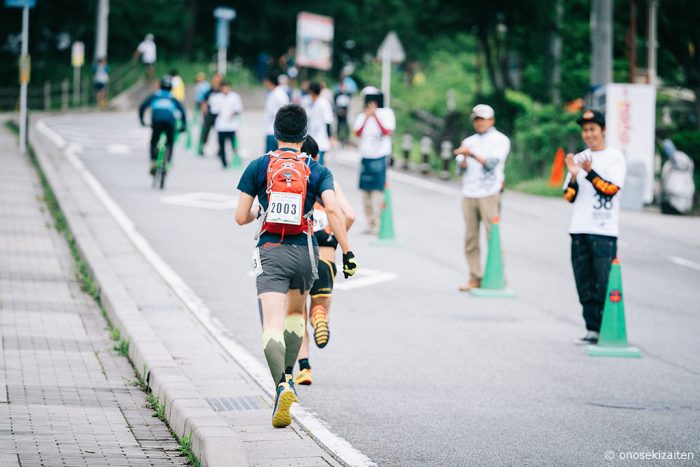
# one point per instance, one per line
(66, 399)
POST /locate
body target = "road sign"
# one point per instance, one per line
(314, 41)
(20, 3)
(391, 46)
(25, 68)
(77, 54)
(224, 14)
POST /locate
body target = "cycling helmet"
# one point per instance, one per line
(166, 83)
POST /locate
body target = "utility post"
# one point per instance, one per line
(601, 42)
(223, 17)
(24, 68)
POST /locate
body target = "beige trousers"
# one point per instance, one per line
(373, 206)
(475, 211)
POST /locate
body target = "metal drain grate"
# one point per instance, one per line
(222, 404)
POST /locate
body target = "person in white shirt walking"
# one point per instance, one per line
(276, 99)
(593, 184)
(320, 120)
(482, 158)
(228, 108)
(147, 51)
(374, 127)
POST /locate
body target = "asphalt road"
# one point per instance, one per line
(417, 373)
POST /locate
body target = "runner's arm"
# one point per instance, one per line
(335, 219)
(570, 188)
(345, 206)
(244, 212)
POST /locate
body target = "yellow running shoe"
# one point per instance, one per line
(322, 332)
(304, 377)
(284, 400)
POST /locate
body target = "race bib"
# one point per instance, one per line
(285, 208)
(320, 220)
(257, 265)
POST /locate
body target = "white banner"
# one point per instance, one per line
(314, 41)
(630, 120)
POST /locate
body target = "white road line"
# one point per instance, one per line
(366, 277)
(202, 200)
(684, 262)
(337, 446)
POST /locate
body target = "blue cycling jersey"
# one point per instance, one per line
(164, 108)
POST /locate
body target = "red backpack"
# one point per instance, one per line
(287, 182)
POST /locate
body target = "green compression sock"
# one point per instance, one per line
(274, 348)
(293, 336)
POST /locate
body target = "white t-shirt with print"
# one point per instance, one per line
(321, 115)
(374, 144)
(228, 109)
(479, 181)
(148, 51)
(594, 213)
(275, 100)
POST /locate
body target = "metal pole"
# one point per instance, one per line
(76, 86)
(64, 94)
(102, 29)
(446, 155)
(222, 61)
(386, 78)
(425, 144)
(47, 96)
(406, 144)
(601, 42)
(23, 85)
(651, 45)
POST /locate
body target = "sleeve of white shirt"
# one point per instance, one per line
(500, 150)
(327, 113)
(239, 104)
(388, 119)
(359, 121)
(618, 171)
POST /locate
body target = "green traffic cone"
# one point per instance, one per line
(386, 234)
(612, 341)
(493, 284)
(236, 162)
(188, 143)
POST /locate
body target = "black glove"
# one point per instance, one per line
(142, 123)
(349, 264)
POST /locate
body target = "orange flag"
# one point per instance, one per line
(556, 178)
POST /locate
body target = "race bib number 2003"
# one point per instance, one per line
(285, 208)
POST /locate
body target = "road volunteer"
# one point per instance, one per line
(166, 111)
(320, 120)
(228, 108)
(208, 113)
(322, 291)
(275, 99)
(287, 183)
(482, 158)
(146, 50)
(593, 183)
(374, 127)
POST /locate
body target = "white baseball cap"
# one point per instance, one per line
(371, 90)
(482, 111)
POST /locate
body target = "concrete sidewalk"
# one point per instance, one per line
(65, 397)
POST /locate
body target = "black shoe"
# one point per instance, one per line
(152, 170)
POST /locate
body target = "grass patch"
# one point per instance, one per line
(186, 450)
(157, 406)
(538, 186)
(88, 285)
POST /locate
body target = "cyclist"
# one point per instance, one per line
(322, 289)
(166, 111)
(286, 256)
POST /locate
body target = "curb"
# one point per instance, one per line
(214, 442)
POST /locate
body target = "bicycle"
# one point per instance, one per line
(162, 165)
